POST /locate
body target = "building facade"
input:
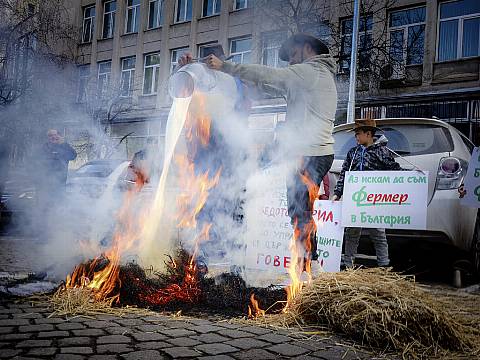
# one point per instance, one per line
(429, 65)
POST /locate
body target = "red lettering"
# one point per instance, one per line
(268, 259)
(276, 261)
(286, 262)
(370, 197)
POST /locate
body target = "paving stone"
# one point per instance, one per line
(335, 353)
(70, 326)
(113, 349)
(254, 354)
(102, 357)
(6, 330)
(130, 322)
(216, 348)
(99, 324)
(16, 336)
(184, 341)
(34, 343)
(88, 332)
(287, 349)
(4, 344)
(235, 334)
(74, 341)
(177, 324)
(77, 350)
(118, 330)
(107, 317)
(113, 339)
(210, 338)
(148, 336)
(206, 328)
(157, 318)
(153, 345)
(14, 322)
(35, 328)
(69, 357)
(177, 332)
(143, 355)
(274, 338)
(52, 320)
(11, 311)
(200, 322)
(256, 330)
(151, 328)
(229, 326)
(53, 334)
(247, 343)
(49, 351)
(180, 352)
(6, 353)
(4, 316)
(40, 310)
(28, 316)
(217, 357)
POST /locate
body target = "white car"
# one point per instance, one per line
(444, 152)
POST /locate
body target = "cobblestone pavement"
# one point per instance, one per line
(27, 332)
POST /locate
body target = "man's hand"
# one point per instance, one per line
(335, 198)
(185, 59)
(59, 139)
(214, 62)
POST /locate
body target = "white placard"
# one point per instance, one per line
(327, 216)
(385, 199)
(472, 181)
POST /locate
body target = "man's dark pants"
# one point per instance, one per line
(299, 206)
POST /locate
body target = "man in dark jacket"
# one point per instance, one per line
(371, 153)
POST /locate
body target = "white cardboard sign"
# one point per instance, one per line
(385, 199)
(472, 181)
(327, 216)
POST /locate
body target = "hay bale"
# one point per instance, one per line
(381, 309)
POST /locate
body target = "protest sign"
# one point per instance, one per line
(472, 181)
(269, 230)
(385, 199)
(327, 216)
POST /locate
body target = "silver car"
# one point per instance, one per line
(434, 146)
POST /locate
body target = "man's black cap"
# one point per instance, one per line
(300, 39)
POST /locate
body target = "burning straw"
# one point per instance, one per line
(381, 309)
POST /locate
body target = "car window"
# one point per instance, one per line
(404, 139)
(467, 143)
(96, 170)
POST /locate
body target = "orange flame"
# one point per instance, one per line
(254, 310)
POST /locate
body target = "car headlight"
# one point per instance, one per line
(451, 172)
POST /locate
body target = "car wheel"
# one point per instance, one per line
(476, 246)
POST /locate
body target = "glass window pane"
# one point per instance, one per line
(240, 4)
(147, 84)
(218, 4)
(153, 59)
(90, 11)
(152, 14)
(347, 26)
(110, 6)
(447, 43)
(471, 30)
(125, 83)
(247, 58)
(396, 46)
(136, 19)
(406, 17)
(157, 73)
(237, 59)
(459, 8)
(129, 20)
(180, 10)
(241, 45)
(188, 15)
(415, 44)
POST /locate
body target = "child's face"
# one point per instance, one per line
(363, 137)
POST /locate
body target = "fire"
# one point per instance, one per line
(254, 310)
(301, 246)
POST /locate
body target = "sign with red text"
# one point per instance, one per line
(472, 181)
(385, 199)
(269, 230)
(327, 216)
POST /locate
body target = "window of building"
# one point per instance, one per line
(176, 54)
(83, 75)
(241, 50)
(271, 44)
(407, 36)
(155, 14)
(183, 10)
(151, 74)
(211, 7)
(103, 79)
(132, 17)
(240, 4)
(207, 49)
(364, 44)
(109, 8)
(459, 30)
(88, 23)
(128, 76)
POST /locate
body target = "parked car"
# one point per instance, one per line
(444, 152)
(93, 178)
